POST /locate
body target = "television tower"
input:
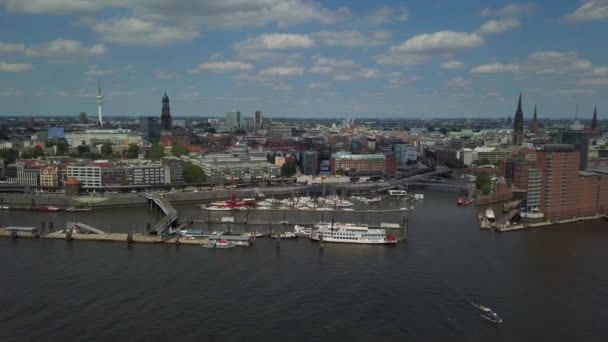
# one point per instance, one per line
(99, 102)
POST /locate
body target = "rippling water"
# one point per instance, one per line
(549, 284)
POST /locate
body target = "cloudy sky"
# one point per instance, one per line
(300, 58)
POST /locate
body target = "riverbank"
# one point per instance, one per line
(502, 229)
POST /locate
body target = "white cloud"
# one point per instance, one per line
(126, 93)
(215, 14)
(440, 41)
(589, 10)
(282, 71)
(386, 14)
(75, 93)
(594, 81)
(56, 7)
(94, 70)
(343, 78)
(393, 58)
(351, 38)
(285, 88)
(263, 46)
(494, 68)
(321, 70)
(15, 67)
(451, 65)
(318, 85)
(133, 31)
(509, 10)
(6, 48)
(601, 71)
(65, 49)
(221, 67)
(369, 73)
(458, 82)
(334, 63)
(164, 74)
(553, 56)
(495, 26)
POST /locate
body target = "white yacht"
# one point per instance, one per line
(350, 233)
(397, 193)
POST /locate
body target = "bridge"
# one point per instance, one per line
(162, 226)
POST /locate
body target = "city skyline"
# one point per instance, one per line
(384, 59)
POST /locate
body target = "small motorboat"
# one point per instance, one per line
(460, 201)
(488, 314)
(302, 231)
(220, 244)
(285, 235)
(254, 234)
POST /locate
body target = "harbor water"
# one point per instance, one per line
(548, 284)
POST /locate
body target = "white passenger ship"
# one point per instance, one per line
(350, 233)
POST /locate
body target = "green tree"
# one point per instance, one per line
(132, 151)
(178, 150)
(157, 151)
(486, 189)
(62, 147)
(106, 150)
(83, 150)
(33, 152)
(288, 170)
(485, 161)
(9, 154)
(443, 130)
(193, 173)
(340, 172)
(483, 179)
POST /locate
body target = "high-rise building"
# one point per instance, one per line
(580, 140)
(82, 118)
(535, 122)
(594, 124)
(176, 169)
(165, 117)
(234, 121)
(258, 119)
(405, 152)
(149, 128)
(310, 163)
(518, 125)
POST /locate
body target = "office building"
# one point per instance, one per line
(405, 153)
(89, 176)
(234, 121)
(150, 175)
(310, 163)
(149, 128)
(176, 170)
(82, 118)
(358, 164)
(580, 140)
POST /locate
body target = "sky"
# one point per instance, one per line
(304, 59)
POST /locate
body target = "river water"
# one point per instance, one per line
(548, 284)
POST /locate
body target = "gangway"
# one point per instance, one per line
(85, 227)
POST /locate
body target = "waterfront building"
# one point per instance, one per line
(165, 117)
(234, 121)
(72, 187)
(149, 128)
(150, 174)
(466, 155)
(224, 168)
(310, 162)
(390, 164)
(176, 170)
(360, 164)
(115, 176)
(405, 153)
(48, 177)
(518, 125)
(89, 176)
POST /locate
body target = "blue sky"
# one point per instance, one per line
(300, 58)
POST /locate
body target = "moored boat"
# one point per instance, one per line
(302, 231)
(350, 233)
(397, 193)
(285, 235)
(49, 208)
(220, 244)
(75, 209)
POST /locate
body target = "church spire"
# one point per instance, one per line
(594, 120)
(535, 122)
(518, 124)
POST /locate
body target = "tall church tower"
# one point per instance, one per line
(535, 122)
(594, 123)
(165, 117)
(518, 125)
